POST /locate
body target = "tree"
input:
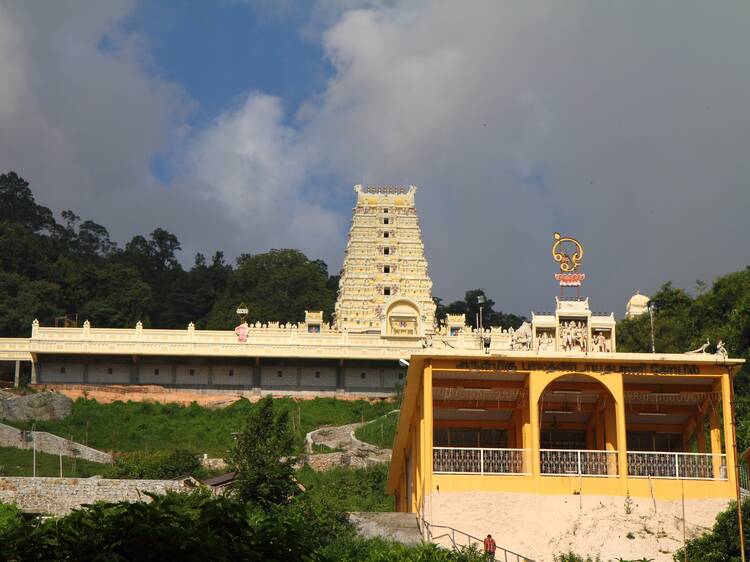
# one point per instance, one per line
(17, 204)
(261, 456)
(470, 307)
(277, 286)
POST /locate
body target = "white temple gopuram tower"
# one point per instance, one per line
(384, 285)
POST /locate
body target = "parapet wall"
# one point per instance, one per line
(49, 443)
(58, 496)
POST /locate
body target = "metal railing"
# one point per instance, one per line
(468, 460)
(556, 462)
(680, 466)
(458, 539)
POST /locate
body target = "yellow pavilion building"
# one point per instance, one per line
(563, 413)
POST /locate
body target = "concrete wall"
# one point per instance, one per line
(318, 377)
(285, 374)
(61, 372)
(365, 377)
(233, 375)
(192, 374)
(155, 373)
(116, 373)
(278, 376)
(58, 496)
(49, 443)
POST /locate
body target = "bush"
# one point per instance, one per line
(347, 489)
(156, 466)
(722, 543)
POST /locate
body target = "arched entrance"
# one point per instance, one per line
(577, 427)
(401, 318)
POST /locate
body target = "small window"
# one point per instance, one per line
(317, 374)
(386, 251)
(279, 374)
(109, 370)
(386, 269)
(400, 376)
(385, 211)
(386, 234)
(231, 372)
(62, 369)
(363, 375)
(192, 372)
(386, 221)
(386, 291)
(156, 371)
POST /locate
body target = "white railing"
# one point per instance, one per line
(556, 462)
(458, 540)
(682, 466)
(469, 460)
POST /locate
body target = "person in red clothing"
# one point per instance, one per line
(489, 548)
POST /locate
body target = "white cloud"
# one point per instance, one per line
(256, 167)
(626, 124)
(620, 123)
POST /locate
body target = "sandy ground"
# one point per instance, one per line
(542, 526)
(204, 397)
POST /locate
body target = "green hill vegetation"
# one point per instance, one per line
(19, 462)
(50, 268)
(150, 426)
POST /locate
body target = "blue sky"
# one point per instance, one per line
(219, 50)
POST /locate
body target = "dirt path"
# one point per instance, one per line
(342, 438)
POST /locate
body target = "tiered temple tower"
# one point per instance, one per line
(385, 287)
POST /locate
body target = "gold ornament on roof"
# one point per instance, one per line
(568, 252)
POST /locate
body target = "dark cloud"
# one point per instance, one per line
(625, 124)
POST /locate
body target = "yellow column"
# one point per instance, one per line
(526, 435)
(512, 432)
(427, 439)
(622, 437)
(536, 386)
(599, 429)
(728, 414)
(700, 434)
(715, 433)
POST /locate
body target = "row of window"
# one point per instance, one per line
(231, 373)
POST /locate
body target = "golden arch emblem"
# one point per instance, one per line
(568, 252)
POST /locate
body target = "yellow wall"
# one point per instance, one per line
(415, 434)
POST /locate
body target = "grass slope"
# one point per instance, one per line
(18, 462)
(149, 426)
(380, 432)
(349, 489)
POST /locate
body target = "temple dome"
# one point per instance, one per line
(637, 305)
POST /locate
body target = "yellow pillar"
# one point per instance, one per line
(536, 386)
(512, 432)
(622, 437)
(715, 433)
(599, 429)
(526, 436)
(700, 434)
(727, 408)
(426, 441)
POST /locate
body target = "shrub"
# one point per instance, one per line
(722, 542)
(158, 466)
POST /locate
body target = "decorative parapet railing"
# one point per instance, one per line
(269, 339)
(573, 462)
(467, 460)
(680, 466)
(559, 462)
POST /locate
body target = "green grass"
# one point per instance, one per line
(18, 462)
(149, 426)
(349, 489)
(380, 432)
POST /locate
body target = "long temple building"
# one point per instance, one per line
(384, 313)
